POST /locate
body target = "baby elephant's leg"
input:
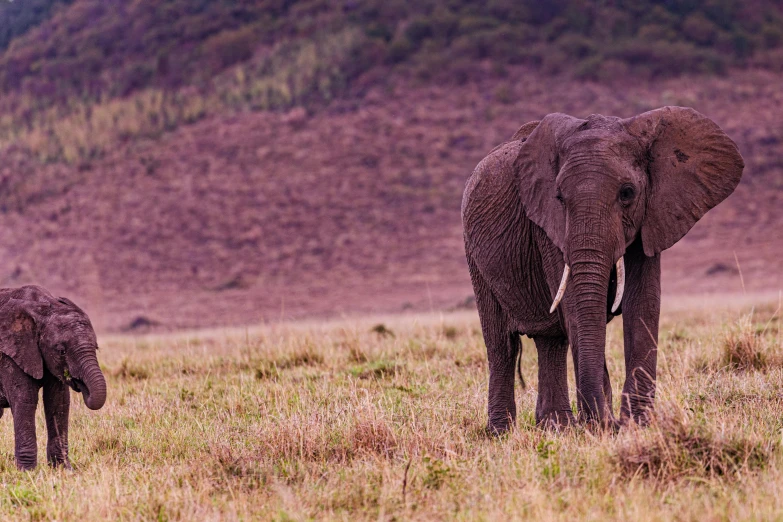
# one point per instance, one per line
(23, 407)
(57, 403)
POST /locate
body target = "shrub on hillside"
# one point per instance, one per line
(419, 30)
(315, 50)
(399, 50)
(772, 35)
(230, 47)
(576, 46)
(656, 33)
(668, 58)
(16, 18)
(699, 29)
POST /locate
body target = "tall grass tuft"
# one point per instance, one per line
(744, 346)
(676, 445)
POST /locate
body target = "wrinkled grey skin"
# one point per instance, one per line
(585, 193)
(45, 342)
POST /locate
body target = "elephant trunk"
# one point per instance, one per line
(590, 271)
(94, 389)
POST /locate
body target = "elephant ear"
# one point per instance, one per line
(19, 338)
(693, 166)
(525, 130)
(537, 166)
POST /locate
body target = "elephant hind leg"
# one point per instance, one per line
(503, 345)
(553, 409)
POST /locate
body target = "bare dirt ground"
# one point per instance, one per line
(355, 209)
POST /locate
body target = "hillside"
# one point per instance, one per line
(80, 76)
(322, 175)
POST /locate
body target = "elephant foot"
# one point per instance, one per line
(26, 465)
(642, 418)
(497, 428)
(59, 462)
(597, 425)
(556, 420)
(639, 412)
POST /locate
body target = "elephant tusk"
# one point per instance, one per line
(618, 296)
(562, 289)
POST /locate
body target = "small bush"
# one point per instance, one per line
(675, 446)
(772, 35)
(418, 30)
(743, 346)
(450, 332)
(667, 59)
(474, 24)
(356, 354)
(744, 44)
(130, 370)
(699, 29)
(656, 33)
(589, 68)
(374, 437)
(400, 50)
(576, 46)
(271, 369)
(230, 47)
(106, 443)
(382, 330)
(376, 370)
(304, 357)
(437, 472)
(267, 371)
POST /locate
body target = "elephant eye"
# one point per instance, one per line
(627, 194)
(559, 196)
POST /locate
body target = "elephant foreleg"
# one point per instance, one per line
(641, 311)
(552, 408)
(57, 403)
(502, 410)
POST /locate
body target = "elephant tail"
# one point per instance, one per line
(519, 367)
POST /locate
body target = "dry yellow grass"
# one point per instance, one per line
(350, 420)
(292, 74)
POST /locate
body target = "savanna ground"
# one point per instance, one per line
(384, 419)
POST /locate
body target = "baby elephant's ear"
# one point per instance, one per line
(19, 339)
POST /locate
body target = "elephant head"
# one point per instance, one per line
(40, 331)
(597, 185)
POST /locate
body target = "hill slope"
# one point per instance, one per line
(268, 215)
(96, 72)
(302, 180)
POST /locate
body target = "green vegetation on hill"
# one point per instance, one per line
(592, 39)
(17, 17)
(99, 71)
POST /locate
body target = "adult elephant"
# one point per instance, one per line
(564, 226)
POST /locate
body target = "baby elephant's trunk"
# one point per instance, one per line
(94, 391)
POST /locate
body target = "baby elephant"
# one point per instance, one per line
(48, 342)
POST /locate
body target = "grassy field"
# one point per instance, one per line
(384, 419)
